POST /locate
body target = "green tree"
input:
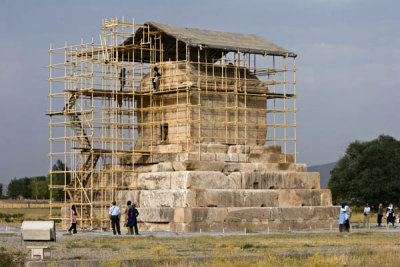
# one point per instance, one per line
(1, 190)
(368, 172)
(39, 187)
(19, 187)
(62, 178)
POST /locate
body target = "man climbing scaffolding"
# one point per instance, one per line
(122, 82)
(156, 74)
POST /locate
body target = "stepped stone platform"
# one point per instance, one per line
(226, 188)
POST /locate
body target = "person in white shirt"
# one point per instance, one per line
(115, 215)
(367, 210)
(347, 217)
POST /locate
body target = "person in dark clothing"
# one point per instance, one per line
(132, 219)
(390, 215)
(156, 74)
(72, 216)
(122, 82)
(127, 209)
(347, 217)
(380, 215)
(115, 215)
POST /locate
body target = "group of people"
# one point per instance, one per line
(390, 215)
(345, 214)
(131, 214)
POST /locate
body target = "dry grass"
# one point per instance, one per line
(309, 249)
(18, 215)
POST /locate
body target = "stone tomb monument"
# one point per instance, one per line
(222, 183)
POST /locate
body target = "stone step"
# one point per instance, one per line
(237, 219)
(218, 180)
(227, 198)
(251, 157)
(215, 148)
(280, 180)
(226, 167)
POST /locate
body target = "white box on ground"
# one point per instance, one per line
(40, 252)
(38, 230)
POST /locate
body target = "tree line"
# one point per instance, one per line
(37, 187)
(369, 172)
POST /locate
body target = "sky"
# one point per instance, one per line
(347, 66)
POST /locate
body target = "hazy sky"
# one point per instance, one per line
(348, 64)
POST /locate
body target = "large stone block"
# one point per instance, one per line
(38, 230)
(237, 198)
(123, 196)
(239, 149)
(196, 165)
(304, 197)
(217, 148)
(262, 198)
(250, 219)
(280, 180)
(264, 157)
(159, 215)
(154, 180)
(162, 167)
(204, 180)
(167, 198)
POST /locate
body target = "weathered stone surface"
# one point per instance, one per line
(240, 219)
(159, 215)
(280, 180)
(301, 167)
(304, 197)
(240, 149)
(168, 148)
(262, 198)
(264, 157)
(196, 165)
(217, 148)
(123, 196)
(237, 198)
(154, 180)
(162, 167)
(203, 180)
(167, 198)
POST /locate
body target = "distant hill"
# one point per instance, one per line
(325, 171)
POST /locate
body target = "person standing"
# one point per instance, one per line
(367, 210)
(380, 215)
(132, 221)
(342, 218)
(347, 217)
(390, 215)
(72, 216)
(128, 206)
(115, 215)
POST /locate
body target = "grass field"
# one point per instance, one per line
(361, 248)
(18, 215)
(308, 249)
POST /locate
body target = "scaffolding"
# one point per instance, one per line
(109, 116)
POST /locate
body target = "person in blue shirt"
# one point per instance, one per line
(342, 217)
